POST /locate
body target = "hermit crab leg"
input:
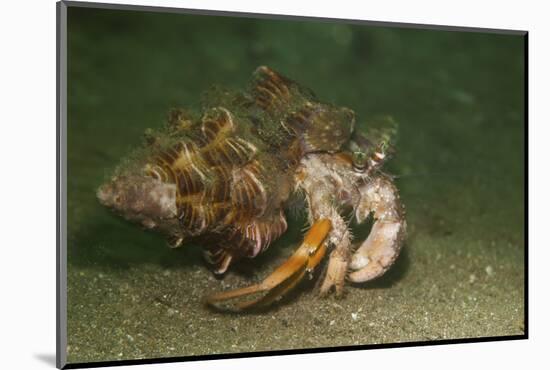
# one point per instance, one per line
(382, 247)
(285, 277)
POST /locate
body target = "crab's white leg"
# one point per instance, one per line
(320, 184)
(337, 267)
(379, 251)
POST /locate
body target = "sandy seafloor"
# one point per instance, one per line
(458, 98)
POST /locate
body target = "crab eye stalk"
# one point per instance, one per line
(360, 161)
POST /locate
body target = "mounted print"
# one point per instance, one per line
(237, 184)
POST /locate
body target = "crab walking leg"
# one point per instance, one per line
(337, 267)
(281, 289)
(320, 206)
(321, 184)
(382, 247)
(285, 277)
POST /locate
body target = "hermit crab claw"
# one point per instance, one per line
(283, 279)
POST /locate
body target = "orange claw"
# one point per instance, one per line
(284, 278)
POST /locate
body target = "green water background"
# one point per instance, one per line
(459, 101)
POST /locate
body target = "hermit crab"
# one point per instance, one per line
(222, 179)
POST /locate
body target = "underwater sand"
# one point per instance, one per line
(458, 98)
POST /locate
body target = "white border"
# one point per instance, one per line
(28, 181)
